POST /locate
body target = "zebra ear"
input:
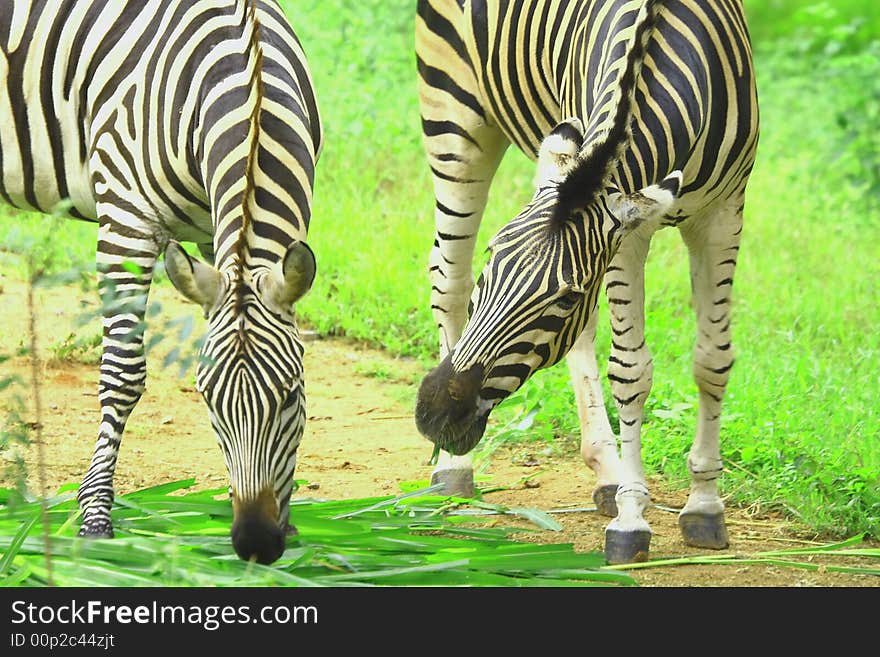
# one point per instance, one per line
(558, 153)
(198, 282)
(293, 276)
(647, 204)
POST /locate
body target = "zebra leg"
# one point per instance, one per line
(124, 289)
(464, 151)
(630, 371)
(598, 443)
(463, 162)
(463, 171)
(713, 245)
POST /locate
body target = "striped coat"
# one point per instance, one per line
(167, 121)
(641, 114)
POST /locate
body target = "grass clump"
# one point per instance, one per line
(168, 536)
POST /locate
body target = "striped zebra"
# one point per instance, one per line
(641, 114)
(167, 121)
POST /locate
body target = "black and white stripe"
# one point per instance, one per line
(167, 121)
(641, 114)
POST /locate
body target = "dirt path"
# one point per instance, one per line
(360, 441)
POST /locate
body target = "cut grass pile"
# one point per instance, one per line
(166, 536)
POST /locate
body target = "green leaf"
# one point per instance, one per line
(16, 543)
(539, 518)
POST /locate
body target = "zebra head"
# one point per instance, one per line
(250, 374)
(536, 292)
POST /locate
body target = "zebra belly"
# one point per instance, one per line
(42, 158)
(197, 227)
(33, 186)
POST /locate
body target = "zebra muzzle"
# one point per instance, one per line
(448, 410)
(256, 533)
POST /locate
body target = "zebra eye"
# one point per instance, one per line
(569, 300)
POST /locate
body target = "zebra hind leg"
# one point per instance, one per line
(598, 443)
(123, 376)
(714, 245)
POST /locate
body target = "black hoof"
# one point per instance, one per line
(603, 498)
(704, 530)
(456, 482)
(100, 529)
(626, 547)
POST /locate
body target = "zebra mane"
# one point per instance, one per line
(255, 87)
(598, 160)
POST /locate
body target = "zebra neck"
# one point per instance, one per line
(246, 236)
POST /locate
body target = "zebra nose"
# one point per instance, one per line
(253, 538)
(255, 530)
(446, 406)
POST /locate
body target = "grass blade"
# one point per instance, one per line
(16, 543)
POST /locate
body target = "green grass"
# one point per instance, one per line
(813, 26)
(801, 431)
(168, 536)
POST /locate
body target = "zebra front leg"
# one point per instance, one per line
(462, 176)
(451, 285)
(598, 443)
(630, 371)
(463, 149)
(460, 201)
(713, 246)
(124, 279)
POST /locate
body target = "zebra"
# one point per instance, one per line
(641, 114)
(166, 122)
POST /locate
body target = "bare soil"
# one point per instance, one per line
(360, 441)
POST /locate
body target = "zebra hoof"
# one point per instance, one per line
(626, 547)
(291, 530)
(604, 499)
(457, 482)
(100, 529)
(704, 530)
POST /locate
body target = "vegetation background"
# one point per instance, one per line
(801, 427)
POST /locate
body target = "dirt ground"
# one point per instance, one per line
(360, 441)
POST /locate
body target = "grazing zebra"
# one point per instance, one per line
(641, 114)
(173, 120)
